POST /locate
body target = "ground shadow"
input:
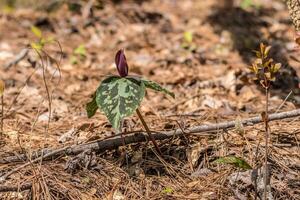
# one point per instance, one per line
(247, 29)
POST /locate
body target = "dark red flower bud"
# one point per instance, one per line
(121, 63)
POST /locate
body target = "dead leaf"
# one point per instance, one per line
(67, 135)
(246, 94)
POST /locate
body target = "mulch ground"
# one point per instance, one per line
(208, 75)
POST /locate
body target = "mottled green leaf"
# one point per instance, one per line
(91, 107)
(155, 86)
(119, 97)
(233, 160)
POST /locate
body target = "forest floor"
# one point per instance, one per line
(197, 49)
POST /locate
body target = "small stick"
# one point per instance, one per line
(8, 188)
(286, 98)
(100, 146)
(2, 114)
(148, 131)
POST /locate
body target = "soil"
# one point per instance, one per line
(208, 74)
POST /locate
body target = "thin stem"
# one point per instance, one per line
(119, 131)
(266, 120)
(148, 131)
(2, 110)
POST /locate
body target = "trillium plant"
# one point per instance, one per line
(120, 96)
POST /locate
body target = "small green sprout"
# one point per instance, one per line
(80, 50)
(8, 7)
(245, 4)
(167, 190)
(235, 161)
(40, 44)
(188, 41)
(78, 53)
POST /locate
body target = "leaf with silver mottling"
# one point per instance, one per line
(91, 107)
(119, 97)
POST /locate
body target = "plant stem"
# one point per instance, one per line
(2, 114)
(266, 120)
(148, 131)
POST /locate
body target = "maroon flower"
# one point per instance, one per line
(121, 63)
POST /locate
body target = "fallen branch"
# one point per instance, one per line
(100, 146)
(8, 188)
(140, 137)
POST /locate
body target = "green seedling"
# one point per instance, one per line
(120, 96)
(78, 53)
(188, 41)
(167, 190)
(7, 9)
(265, 71)
(245, 4)
(235, 161)
(42, 41)
(9, 6)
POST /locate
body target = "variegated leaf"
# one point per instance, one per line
(119, 97)
(155, 86)
(91, 107)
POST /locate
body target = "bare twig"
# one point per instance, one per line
(110, 142)
(8, 188)
(100, 146)
(286, 98)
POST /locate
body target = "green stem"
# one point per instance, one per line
(148, 131)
